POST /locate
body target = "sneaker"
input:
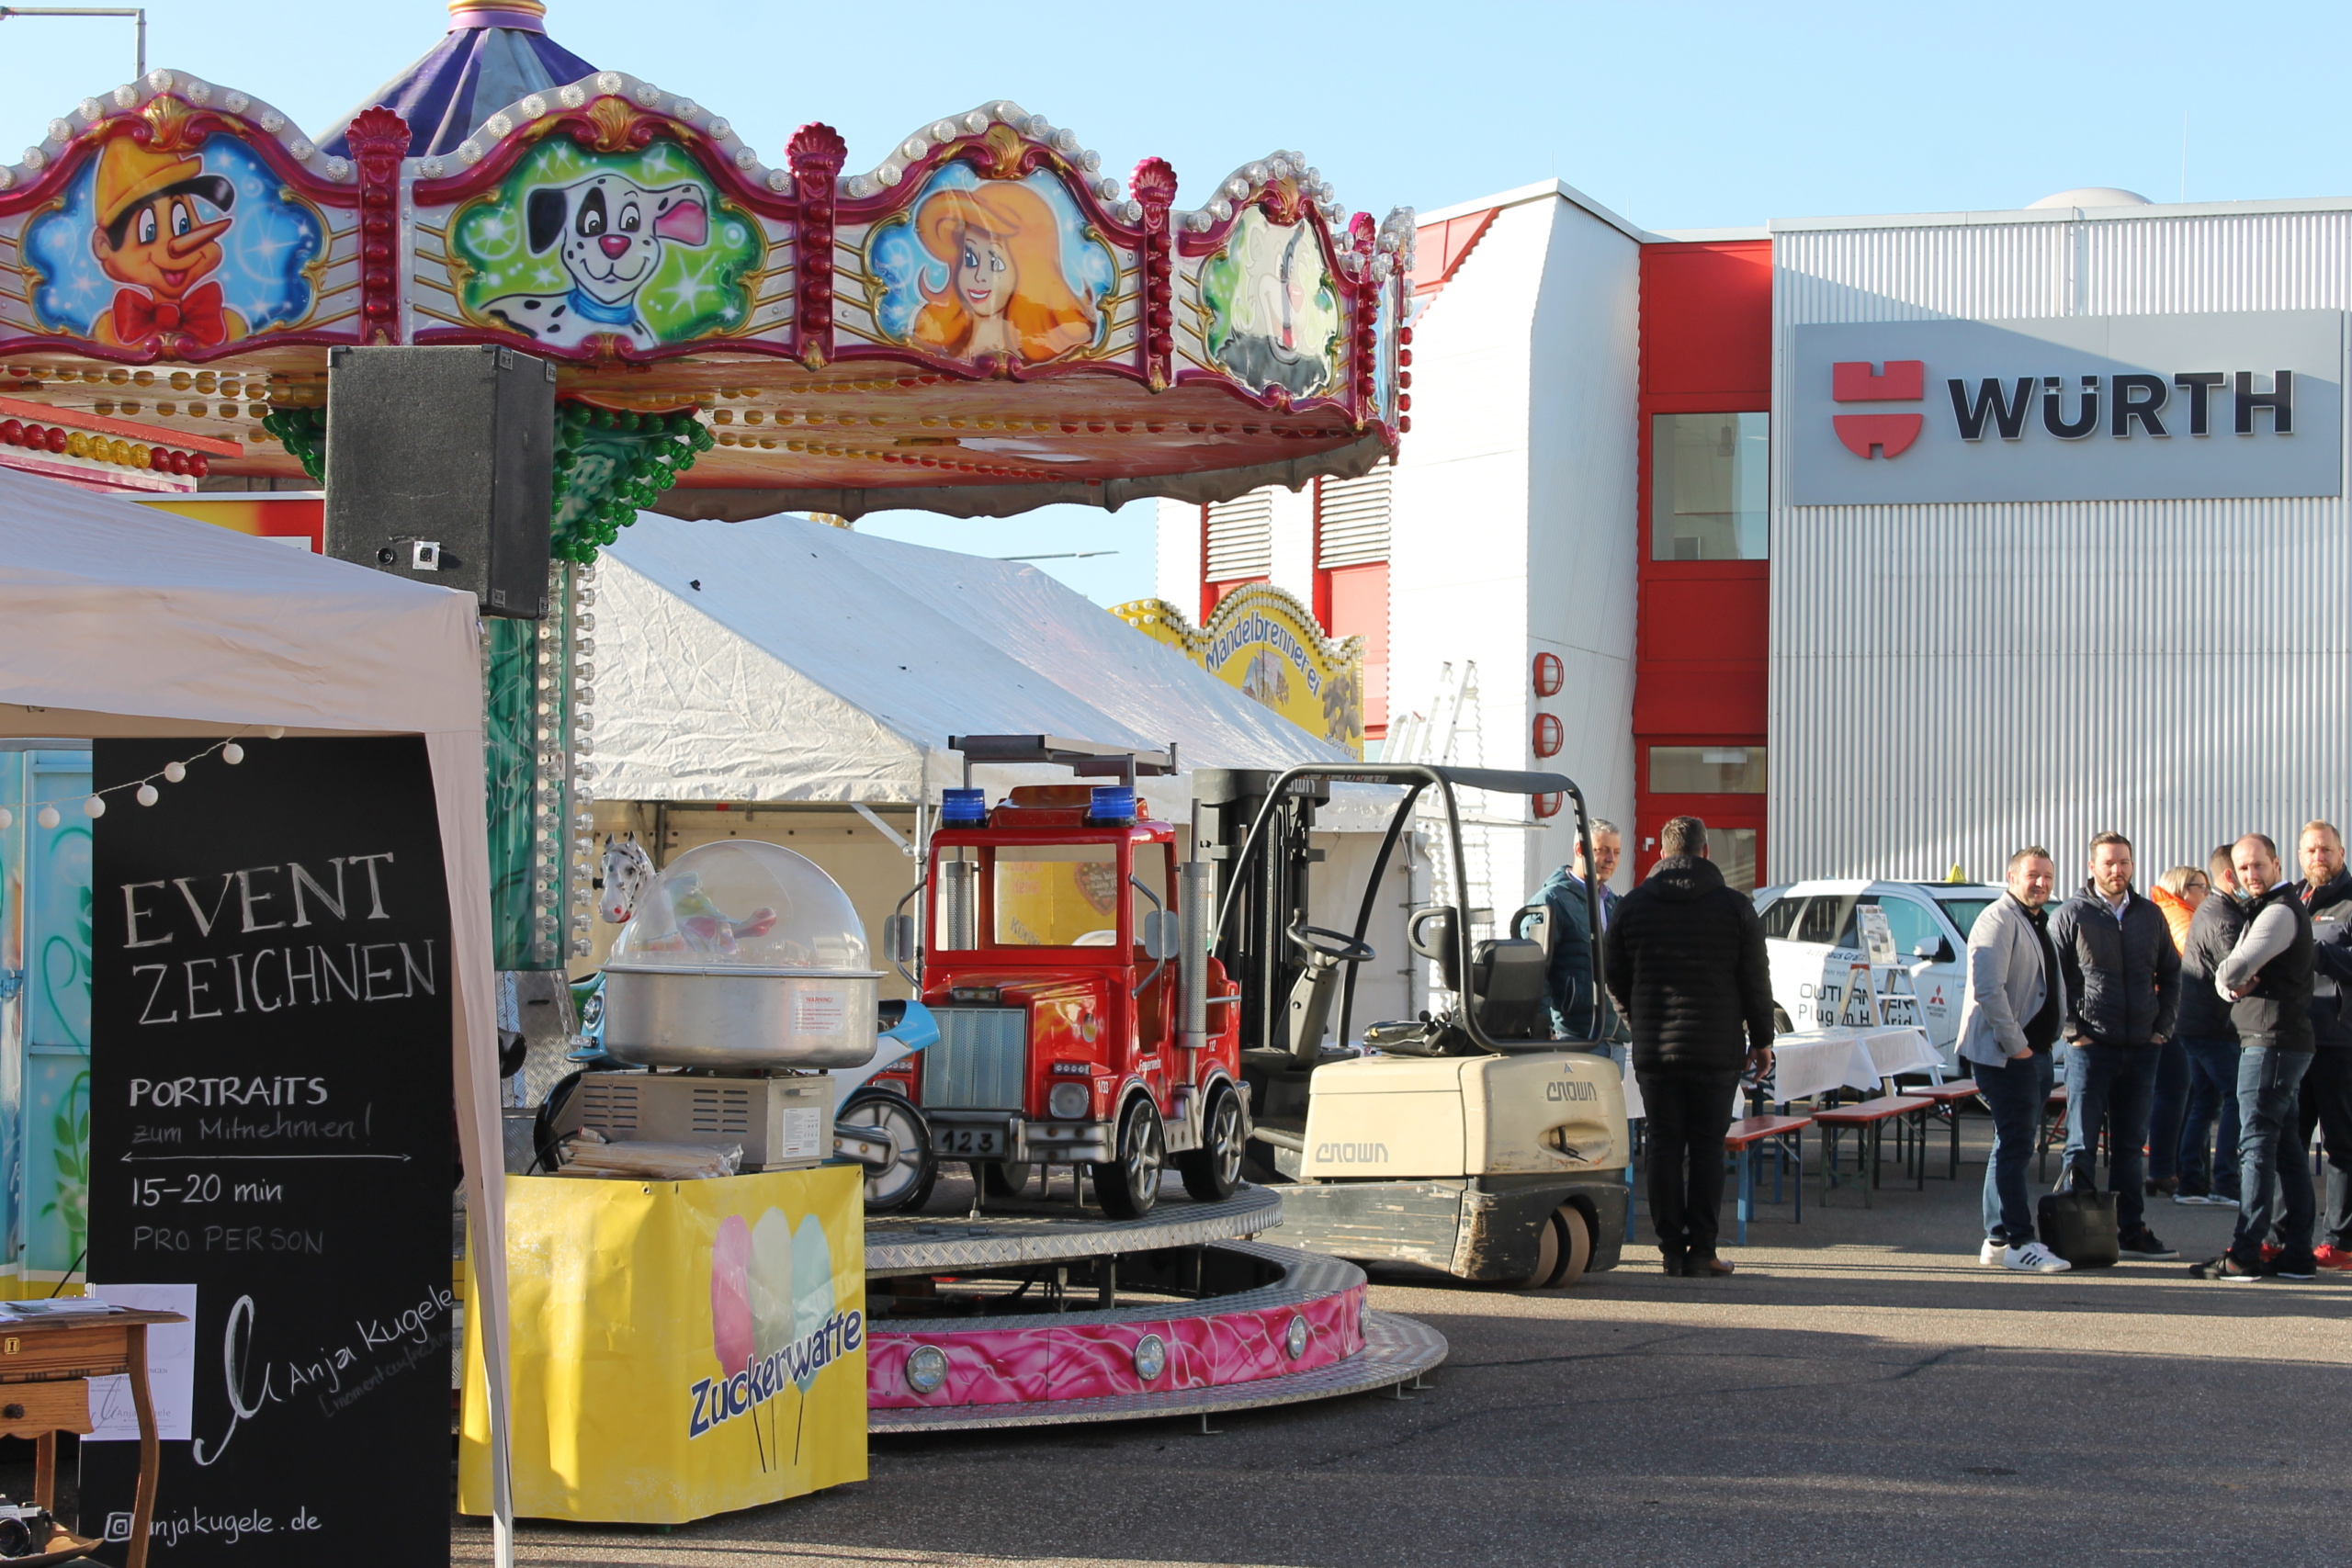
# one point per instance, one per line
(2142, 1244)
(2034, 1259)
(2225, 1267)
(2295, 1269)
(2332, 1257)
(2269, 1252)
(1989, 1255)
(2203, 1200)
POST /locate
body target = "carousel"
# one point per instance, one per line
(982, 322)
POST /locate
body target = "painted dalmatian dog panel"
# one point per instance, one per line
(609, 232)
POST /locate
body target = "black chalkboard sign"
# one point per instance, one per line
(271, 1119)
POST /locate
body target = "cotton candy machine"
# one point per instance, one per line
(743, 956)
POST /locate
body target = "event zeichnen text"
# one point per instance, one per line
(281, 973)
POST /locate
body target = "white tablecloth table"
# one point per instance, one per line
(1806, 1064)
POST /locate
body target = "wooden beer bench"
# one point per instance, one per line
(1946, 1098)
(1868, 1120)
(1750, 1139)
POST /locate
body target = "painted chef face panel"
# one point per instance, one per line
(608, 231)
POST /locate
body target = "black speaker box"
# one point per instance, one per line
(441, 468)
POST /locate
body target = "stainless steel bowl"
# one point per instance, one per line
(658, 1016)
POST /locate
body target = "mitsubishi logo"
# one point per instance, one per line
(1866, 435)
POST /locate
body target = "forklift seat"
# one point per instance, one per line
(1506, 980)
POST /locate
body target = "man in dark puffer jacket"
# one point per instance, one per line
(2122, 978)
(1686, 968)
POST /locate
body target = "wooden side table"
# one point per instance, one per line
(46, 1365)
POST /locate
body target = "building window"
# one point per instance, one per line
(1709, 496)
(1351, 577)
(1240, 537)
(1733, 852)
(1707, 769)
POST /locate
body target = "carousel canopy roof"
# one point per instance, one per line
(983, 321)
(494, 54)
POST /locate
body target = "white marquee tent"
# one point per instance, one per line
(118, 621)
(785, 661)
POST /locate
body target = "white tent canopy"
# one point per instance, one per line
(787, 660)
(116, 621)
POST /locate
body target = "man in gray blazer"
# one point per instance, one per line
(2008, 1023)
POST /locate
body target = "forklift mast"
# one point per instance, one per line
(1274, 891)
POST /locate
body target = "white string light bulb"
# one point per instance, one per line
(275, 731)
(7, 818)
(48, 818)
(94, 808)
(174, 772)
(232, 753)
(147, 794)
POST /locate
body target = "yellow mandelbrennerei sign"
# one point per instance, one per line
(680, 1349)
(1265, 641)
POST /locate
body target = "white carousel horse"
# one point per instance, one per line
(628, 870)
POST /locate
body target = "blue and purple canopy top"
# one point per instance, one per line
(495, 53)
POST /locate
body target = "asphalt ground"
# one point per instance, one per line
(1861, 1391)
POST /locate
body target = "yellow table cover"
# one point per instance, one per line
(681, 1348)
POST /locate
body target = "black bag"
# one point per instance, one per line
(2080, 1227)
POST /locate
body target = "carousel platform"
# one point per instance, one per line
(1036, 1315)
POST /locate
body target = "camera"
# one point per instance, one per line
(25, 1529)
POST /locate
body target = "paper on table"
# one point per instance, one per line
(170, 1367)
(58, 1306)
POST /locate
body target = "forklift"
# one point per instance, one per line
(1468, 1140)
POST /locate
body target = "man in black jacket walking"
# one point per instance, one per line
(1686, 967)
(2123, 988)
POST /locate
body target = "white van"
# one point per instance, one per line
(1814, 942)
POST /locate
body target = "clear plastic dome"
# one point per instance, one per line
(743, 904)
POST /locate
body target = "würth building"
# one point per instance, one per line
(1885, 545)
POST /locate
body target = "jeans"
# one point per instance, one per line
(2016, 1092)
(2166, 1110)
(2325, 1103)
(2208, 1164)
(2274, 1184)
(1689, 1114)
(2110, 1085)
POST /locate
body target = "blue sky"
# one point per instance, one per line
(1677, 116)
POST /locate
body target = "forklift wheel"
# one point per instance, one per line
(1212, 1171)
(1130, 1185)
(1575, 1243)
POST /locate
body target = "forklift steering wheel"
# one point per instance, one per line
(1338, 946)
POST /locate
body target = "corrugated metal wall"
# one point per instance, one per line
(1951, 681)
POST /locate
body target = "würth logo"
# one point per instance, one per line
(1866, 435)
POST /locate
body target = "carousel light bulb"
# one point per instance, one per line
(174, 772)
(232, 753)
(148, 795)
(48, 816)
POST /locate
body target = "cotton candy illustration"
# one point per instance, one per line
(731, 1308)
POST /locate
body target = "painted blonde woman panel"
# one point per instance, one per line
(1006, 294)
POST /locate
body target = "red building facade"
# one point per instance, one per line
(1705, 561)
